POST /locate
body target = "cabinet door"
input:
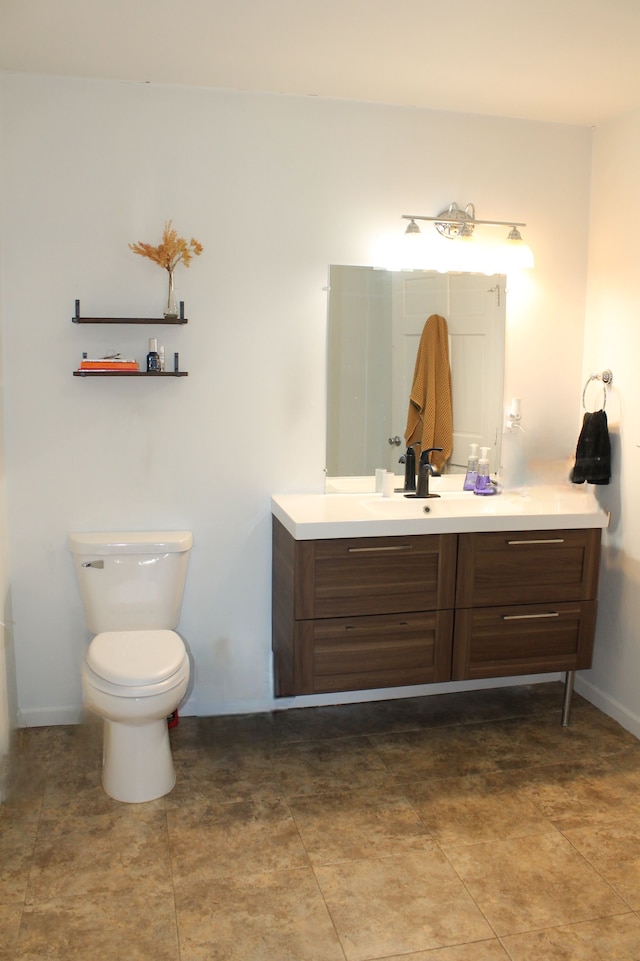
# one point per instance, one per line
(527, 567)
(523, 639)
(387, 650)
(374, 575)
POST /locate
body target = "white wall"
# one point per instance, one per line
(613, 341)
(276, 188)
(8, 693)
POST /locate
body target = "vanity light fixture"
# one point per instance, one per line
(454, 223)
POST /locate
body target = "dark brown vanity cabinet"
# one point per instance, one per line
(369, 612)
(525, 602)
(375, 612)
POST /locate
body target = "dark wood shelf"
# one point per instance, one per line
(77, 319)
(130, 373)
(129, 320)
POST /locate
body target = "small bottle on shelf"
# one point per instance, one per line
(153, 358)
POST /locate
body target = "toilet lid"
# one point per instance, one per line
(135, 657)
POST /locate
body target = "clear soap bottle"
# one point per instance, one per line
(472, 469)
(483, 482)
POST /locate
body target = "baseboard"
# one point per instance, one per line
(50, 716)
(608, 705)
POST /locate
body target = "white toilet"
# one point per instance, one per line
(136, 669)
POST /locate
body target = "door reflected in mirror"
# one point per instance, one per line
(375, 319)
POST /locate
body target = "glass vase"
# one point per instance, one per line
(171, 309)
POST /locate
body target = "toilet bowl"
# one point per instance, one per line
(134, 695)
(136, 669)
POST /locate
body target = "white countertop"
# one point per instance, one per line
(550, 507)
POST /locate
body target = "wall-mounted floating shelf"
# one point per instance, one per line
(130, 373)
(180, 319)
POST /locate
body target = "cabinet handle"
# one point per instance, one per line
(545, 540)
(528, 617)
(378, 550)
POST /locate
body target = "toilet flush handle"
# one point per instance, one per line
(98, 564)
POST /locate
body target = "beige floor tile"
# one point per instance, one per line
(78, 793)
(110, 854)
(10, 915)
(273, 811)
(337, 721)
(205, 733)
(474, 951)
(223, 772)
(607, 939)
(532, 882)
(578, 798)
(358, 824)
(221, 840)
(76, 746)
(321, 767)
(592, 727)
(139, 927)
(614, 740)
(17, 842)
(627, 763)
(476, 808)
(523, 742)
(614, 851)
(59, 761)
(277, 916)
(440, 752)
(24, 782)
(396, 905)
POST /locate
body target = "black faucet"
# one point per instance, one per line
(425, 470)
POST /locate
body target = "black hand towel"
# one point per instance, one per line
(593, 453)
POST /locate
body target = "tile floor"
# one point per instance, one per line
(463, 827)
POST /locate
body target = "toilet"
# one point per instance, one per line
(136, 669)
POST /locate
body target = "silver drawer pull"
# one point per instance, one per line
(547, 540)
(378, 550)
(528, 617)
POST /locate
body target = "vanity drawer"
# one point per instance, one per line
(347, 654)
(527, 567)
(523, 639)
(375, 575)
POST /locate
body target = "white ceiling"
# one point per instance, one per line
(568, 61)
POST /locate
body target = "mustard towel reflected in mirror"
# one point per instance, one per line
(430, 414)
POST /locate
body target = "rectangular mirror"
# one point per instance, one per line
(375, 319)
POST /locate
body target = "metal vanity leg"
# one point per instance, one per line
(570, 677)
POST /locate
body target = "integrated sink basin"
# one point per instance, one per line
(446, 504)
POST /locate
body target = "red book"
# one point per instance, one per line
(108, 365)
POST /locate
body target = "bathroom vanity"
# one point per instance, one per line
(372, 592)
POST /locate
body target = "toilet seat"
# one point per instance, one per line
(134, 659)
(128, 692)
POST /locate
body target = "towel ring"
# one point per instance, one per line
(606, 377)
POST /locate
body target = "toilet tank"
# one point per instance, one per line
(131, 580)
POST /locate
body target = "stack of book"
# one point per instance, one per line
(108, 363)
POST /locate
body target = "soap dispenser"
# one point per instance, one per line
(483, 482)
(472, 469)
(409, 461)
